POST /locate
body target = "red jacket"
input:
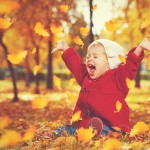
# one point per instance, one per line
(98, 97)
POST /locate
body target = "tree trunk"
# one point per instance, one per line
(37, 80)
(91, 21)
(50, 69)
(138, 78)
(15, 99)
(27, 76)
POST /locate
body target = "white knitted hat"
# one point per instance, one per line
(113, 50)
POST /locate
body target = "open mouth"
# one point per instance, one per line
(91, 69)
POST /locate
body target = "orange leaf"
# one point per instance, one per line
(71, 96)
(130, 83)
(139, 127)
(16, 58)
(112, 25)
(36, 69)
(76, 117)
(8, 6)
(84, 30)
(5, 23)
(72, 81)
(4, 122)
(122, 59)
(78, 41)
(118, 106)
(85, 134)
(39, 29)
(112, 144)
(94, 7)
(63, 8)
(29, 135)
(56, 30)
(33, 51)
(39, 103)
(10, 138)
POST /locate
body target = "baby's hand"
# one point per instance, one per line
(61, 46)
(145, 44)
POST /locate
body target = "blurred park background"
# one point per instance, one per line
(30, 29)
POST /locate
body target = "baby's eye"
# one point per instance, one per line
(95, 56)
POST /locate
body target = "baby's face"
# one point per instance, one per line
(96, 61)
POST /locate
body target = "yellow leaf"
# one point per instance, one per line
(78, 41)
(39, 103)
(71, 96)
(33, 51)
(130, 83)
(118, 106)
(112, 25)
(39, 29)
(8, 6)
(84, 30)
(29, 135)
(56, 30)
(63, 8)
(122, 59)
(146, 22)
(4, 122)
(5, 23)
(84, 134)
(57, 81)
(36, 69)
(17, 57)
(76, 117)
(94, 7)
(112, 144)
(72, 81)
(139, 127)
(10, 138)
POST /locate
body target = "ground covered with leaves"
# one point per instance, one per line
(26, 126)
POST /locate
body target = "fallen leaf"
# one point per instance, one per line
(39, 103)
(112, 144)
(76, 117)
(138, 128)
(29, 135)
(84, 134)
(5, 23)
(122, 59)
(17, 57)
(118, 106)
(39, 29)
(78, 41)
(63, 8)
(112, 25)
(84, 30)
(4, 122)
(130, 83)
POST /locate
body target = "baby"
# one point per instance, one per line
(103, 83)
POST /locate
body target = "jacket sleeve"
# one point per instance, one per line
(127, 70)
(75, 64)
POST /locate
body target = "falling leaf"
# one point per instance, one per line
(57, 81)
(148, 62)
(10, 138)
(33, 51)
(29, 135)
(39, 29)
(39, 103)
(145, 22)
(36, 69)
(5, 23)
(76, 117)
(78, 41)
(94, 7)
(118, 106)
(4, 122)
(84, 134)
(130, 83)
(72, 81)
(122, 59)
(71, 96)
(112, 25)
(84, 30)
(56, 30)
(8, 6)
(17, 57)
(63, 8)
(112, 144)
(139, 127)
